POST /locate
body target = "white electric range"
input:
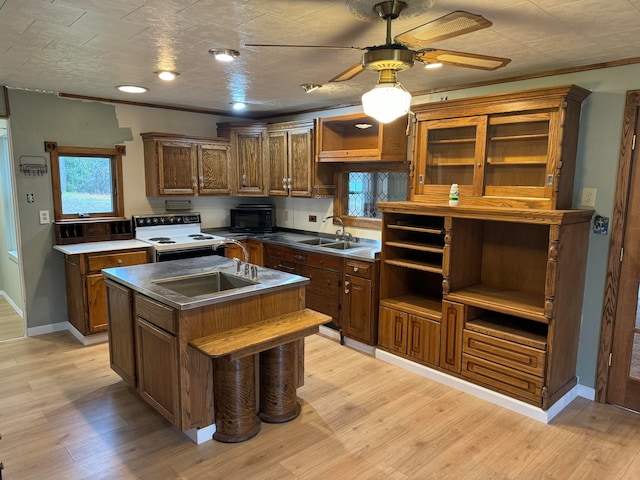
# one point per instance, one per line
(175, 236)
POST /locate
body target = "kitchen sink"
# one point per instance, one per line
(339, 246)
(316, 241)
(204, 283)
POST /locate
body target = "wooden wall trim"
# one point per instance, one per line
(7, 112)
(620, 205)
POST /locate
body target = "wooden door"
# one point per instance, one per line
(624, 374)
(177, 168)
(214, 169)
(278, 182)
(300, 162)
(158, 369)
(451, 336)
(249, 156)
(424, 339)
(392, 329)
(357, 311)
(121, 332)
(96, 303)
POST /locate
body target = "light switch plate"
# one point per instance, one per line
(44, 217)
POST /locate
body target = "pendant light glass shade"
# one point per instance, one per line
(386, 101)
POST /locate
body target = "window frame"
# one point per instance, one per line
(115, 154)
(342, 188)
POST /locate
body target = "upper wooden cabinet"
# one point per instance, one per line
(290, 159)
(509, 150)
(180, 165)
(360, 138)
(248, 150)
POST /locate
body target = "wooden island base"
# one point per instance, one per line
(233, 355)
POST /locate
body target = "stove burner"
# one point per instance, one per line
(159, 239)
(168, 240)
(201, 237)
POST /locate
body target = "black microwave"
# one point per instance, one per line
(253, 218)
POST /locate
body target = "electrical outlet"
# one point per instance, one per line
(588, 198)
(313, 218)
(44, 217)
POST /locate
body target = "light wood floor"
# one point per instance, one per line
(11, 324)
(65, 415)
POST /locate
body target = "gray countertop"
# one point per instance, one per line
(142, 278)
(91, 247)
(364, 249)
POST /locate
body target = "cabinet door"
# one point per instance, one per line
(249, 167)
(450, 151)
(96, 303)
(518, 163)
(177, 168)
(76, 293)
(278, 160)
(256, 252)
(300, 162)
(323, 291)
(392, 329)
(451, 336)
(214, 169)
(357, 311)
(158, 369)
(424, 339)
(121, 332)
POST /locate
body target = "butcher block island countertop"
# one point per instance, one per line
(157, 309)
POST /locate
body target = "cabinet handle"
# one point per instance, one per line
(284, 183)
(244, 180)
(289, 183)
(346, 284)
(329, 282)
(201, 181)
(195, 182)
(119, 261)
(355, 269)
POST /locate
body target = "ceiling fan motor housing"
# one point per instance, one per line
(388, 58)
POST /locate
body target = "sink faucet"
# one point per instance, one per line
(338, 234)
(235, 242)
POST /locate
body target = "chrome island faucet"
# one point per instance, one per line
(248, 271)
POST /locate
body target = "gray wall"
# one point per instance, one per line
(39, 117)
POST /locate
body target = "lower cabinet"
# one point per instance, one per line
(254, 249)
(157, 356)
(121, 332)
(360, 301)
(86, 297)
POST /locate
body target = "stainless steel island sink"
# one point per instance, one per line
(340, 246)
(204, 283)
(316, 241)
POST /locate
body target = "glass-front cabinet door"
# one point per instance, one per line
(517, 163)
(450, 151)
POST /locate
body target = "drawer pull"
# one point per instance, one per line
(119, 261)
(355, 269)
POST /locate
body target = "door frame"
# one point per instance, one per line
(618, 221)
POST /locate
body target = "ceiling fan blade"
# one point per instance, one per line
(332, 47)
(349, 73)
(449, 26)
(461, 59)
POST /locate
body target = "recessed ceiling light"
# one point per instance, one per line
(363, 126)
(224, 54)
(132, 89)
(432, 65)
(167, 75)
(310, 87)
(238, 105)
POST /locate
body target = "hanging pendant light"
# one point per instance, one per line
(388, 100)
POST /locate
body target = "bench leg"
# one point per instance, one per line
(234, 397)
(278, 400)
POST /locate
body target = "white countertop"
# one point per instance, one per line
(91, 247)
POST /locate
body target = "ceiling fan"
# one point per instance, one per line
(406, 48)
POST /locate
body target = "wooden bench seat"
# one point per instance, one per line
(232, 353)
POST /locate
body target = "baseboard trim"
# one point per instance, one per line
(349, 342)
(44, 329)
(87, 339)
(536, 413)
(12, 303)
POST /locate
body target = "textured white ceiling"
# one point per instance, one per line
(87, 47)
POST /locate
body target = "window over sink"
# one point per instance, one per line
(359, 191)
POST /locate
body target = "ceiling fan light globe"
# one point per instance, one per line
(386, 101)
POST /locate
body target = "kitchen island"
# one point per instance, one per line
(156, 310)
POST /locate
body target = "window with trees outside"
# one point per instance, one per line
(87, 182)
